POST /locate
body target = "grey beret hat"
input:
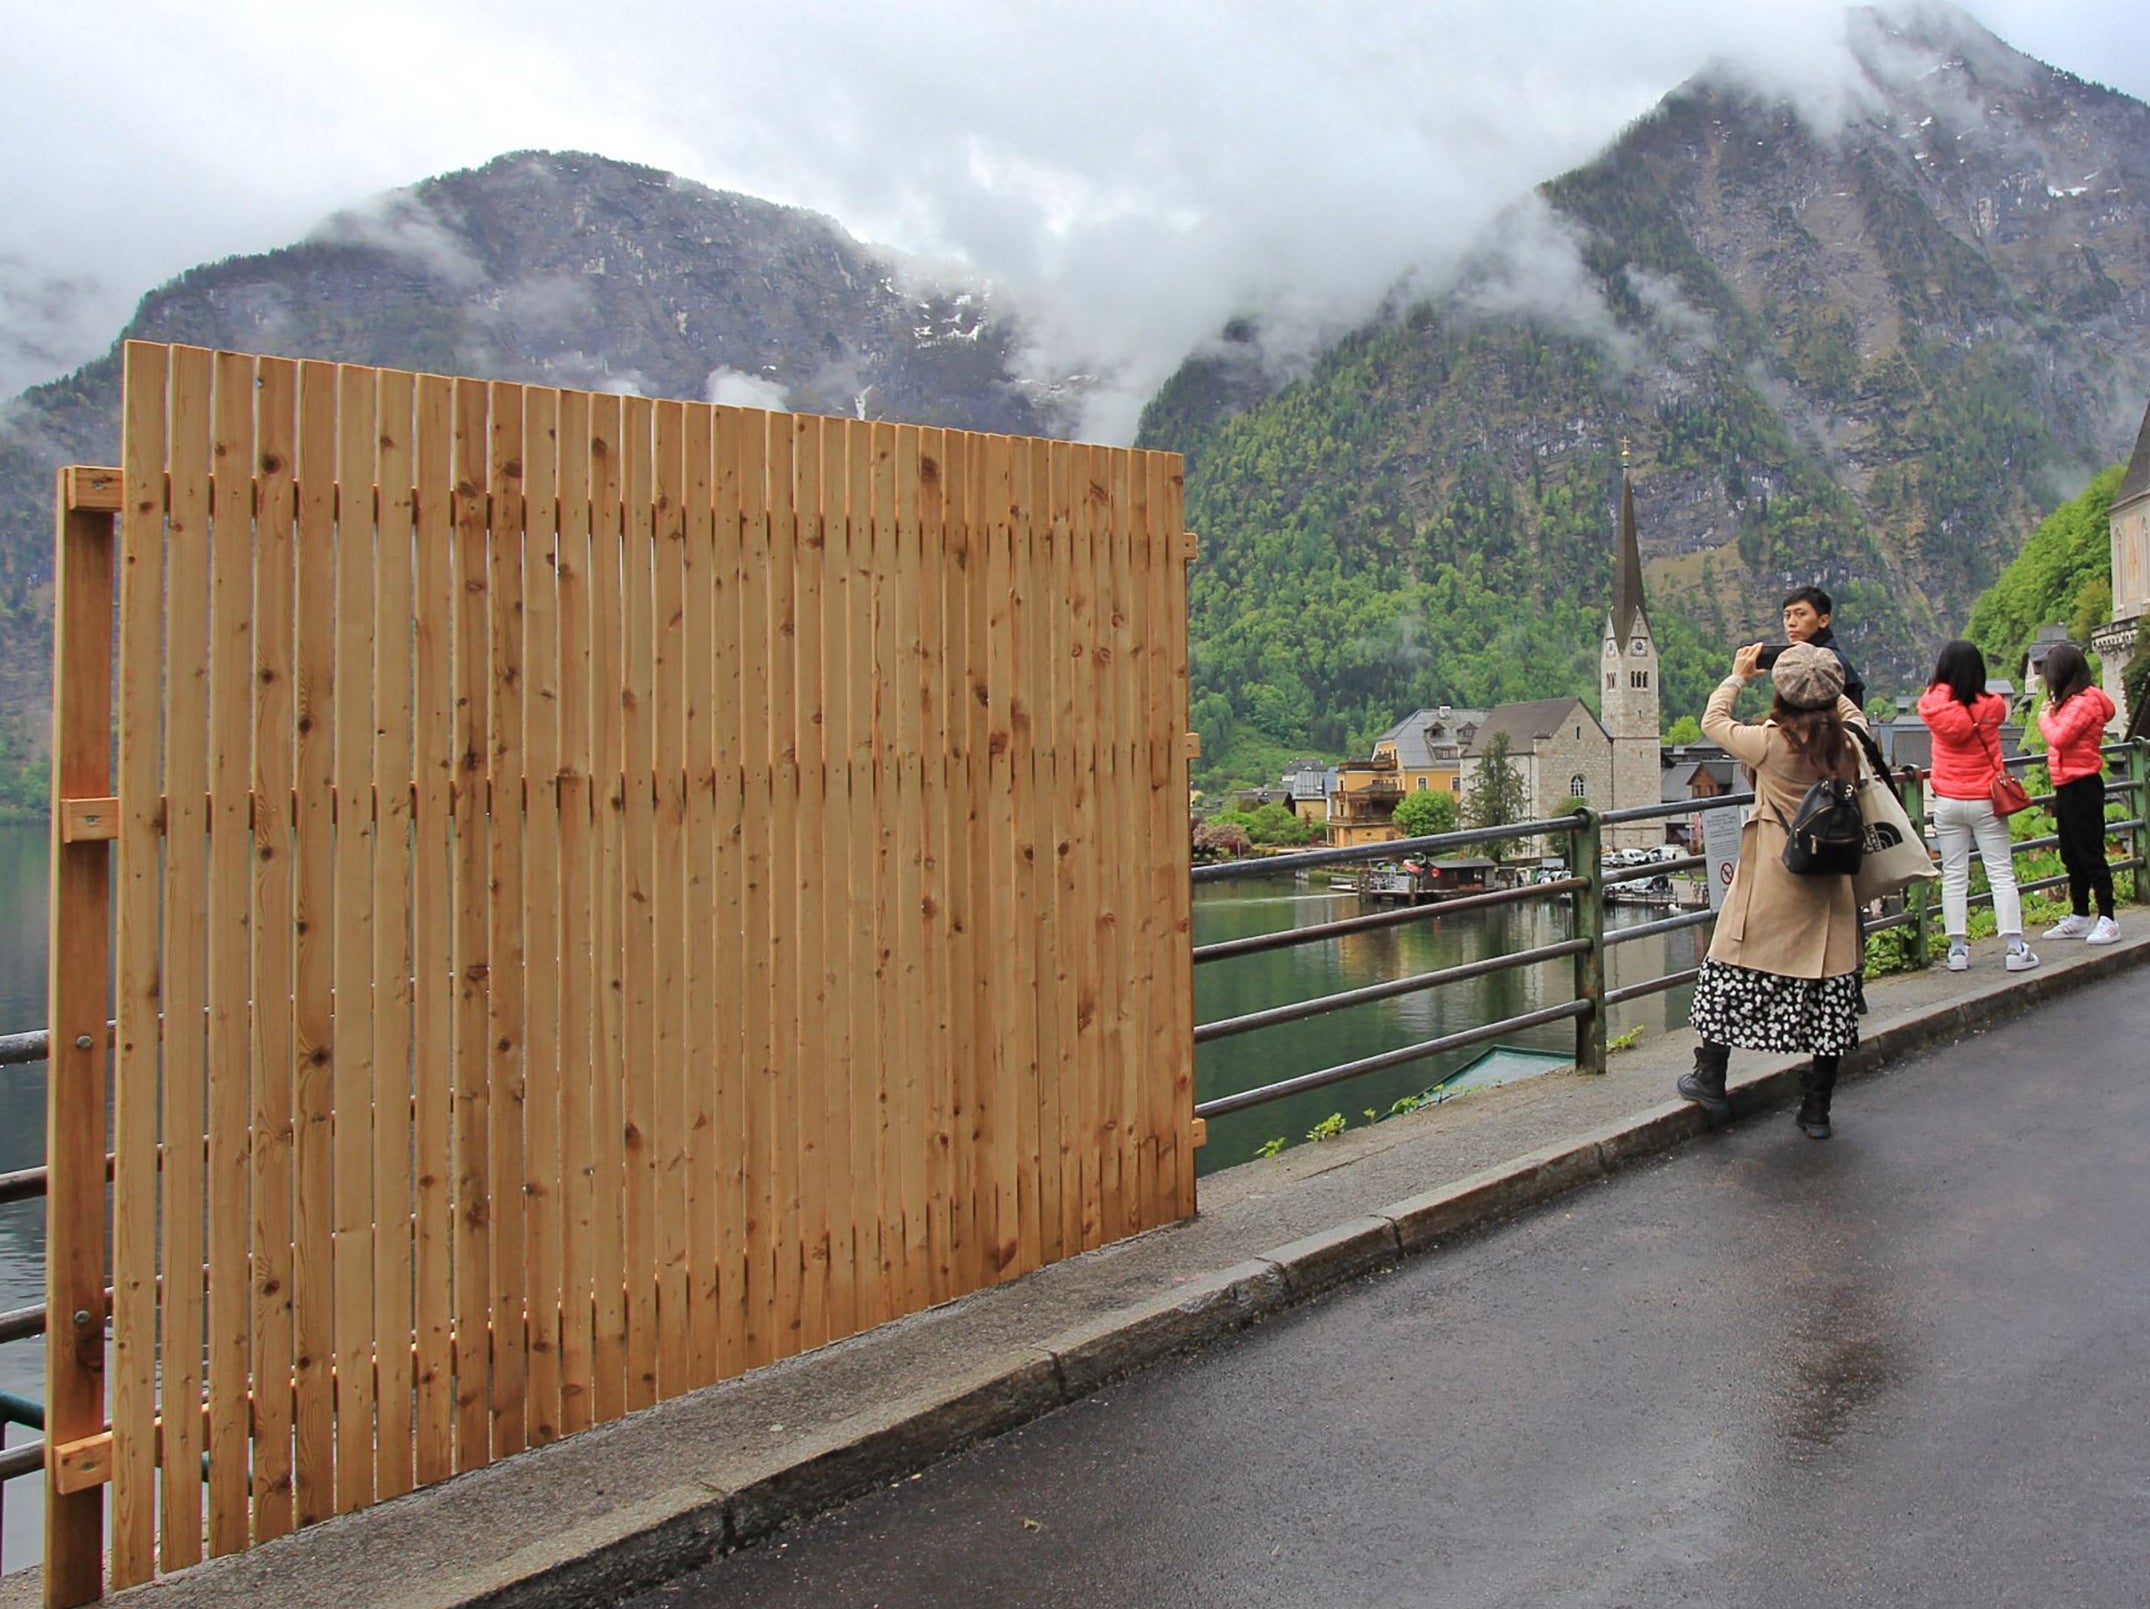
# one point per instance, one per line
(1808, 677)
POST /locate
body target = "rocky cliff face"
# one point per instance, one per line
(1867, 349)
(555, 268)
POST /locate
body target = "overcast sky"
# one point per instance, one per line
(1130, 171)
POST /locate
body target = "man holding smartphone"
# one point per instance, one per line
(1806, 619)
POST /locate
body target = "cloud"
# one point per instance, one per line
(47, 323)
(733, 388)
(403, 225)
(1532, 267)
(1128, 176)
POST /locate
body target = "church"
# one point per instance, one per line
(1560, 750)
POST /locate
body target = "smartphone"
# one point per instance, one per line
(1770, 651)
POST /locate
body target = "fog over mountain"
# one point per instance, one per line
(1131, 176)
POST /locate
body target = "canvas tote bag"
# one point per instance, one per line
(1895, 855)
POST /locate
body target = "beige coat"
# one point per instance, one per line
(1775, 920)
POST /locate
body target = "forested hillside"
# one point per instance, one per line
(1870, 357)
(2064, 574)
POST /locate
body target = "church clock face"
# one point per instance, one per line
(1640, 648)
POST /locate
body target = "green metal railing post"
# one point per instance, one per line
(1921, 895)
(1586, 860)
(2139, 808)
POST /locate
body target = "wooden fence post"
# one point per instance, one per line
(83, 825)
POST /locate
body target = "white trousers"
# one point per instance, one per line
(1957, 823)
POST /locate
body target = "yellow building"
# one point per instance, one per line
(1422, 753)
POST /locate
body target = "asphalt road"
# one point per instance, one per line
(1909, 1365)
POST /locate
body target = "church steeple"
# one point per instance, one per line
(1628, 600)
(1629, 663)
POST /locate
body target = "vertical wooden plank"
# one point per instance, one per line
(668, 907)
(1036, 1204)
(472, 934)
(830, 985)
(704, 1067)
(1122, 825)
(1168, 509)
(999, 962)
(736, 683)
(230, 1160)
(882, 1020)
(921, 495)
(78, 956)
(1039, 577)
(860, 1070)
(637, 699)
(185, 997)
(313, 952)
(838, 915)
(784, 1095)
(1058, 954)
(1071, 483)
(971, 1050)
(433, 849)
(907, 1131)
(1151, 1105)
(761, 1091)
(809, 1086)
(1114, 1050)
(608, 1073)
(139, 972)
(505, 992)
(578, 923)
(544, 1175)
(352, 966)
(275, 1054)
(394, 1325)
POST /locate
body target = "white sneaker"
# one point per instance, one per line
(2106, 932)
(2020, 958)
(2070, 927)
(1959, 960)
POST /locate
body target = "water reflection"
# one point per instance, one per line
(23, 855)
(1241, 909)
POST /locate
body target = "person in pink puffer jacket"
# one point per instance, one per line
(2073, 723)
(1965, 721)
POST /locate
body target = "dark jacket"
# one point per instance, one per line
(1854, 683)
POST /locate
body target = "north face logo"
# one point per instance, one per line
(1882, 835)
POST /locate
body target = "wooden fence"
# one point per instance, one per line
(609, 893)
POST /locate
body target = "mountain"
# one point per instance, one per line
(557, 268)
(1869, 351)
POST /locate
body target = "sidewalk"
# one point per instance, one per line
(652, 1496)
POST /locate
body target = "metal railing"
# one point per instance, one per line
(1583, 891)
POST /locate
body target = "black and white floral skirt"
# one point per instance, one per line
(1767, 1011)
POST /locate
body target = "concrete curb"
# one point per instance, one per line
(666, 1534)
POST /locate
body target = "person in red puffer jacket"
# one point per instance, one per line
(2073, 722)
(1965, 721)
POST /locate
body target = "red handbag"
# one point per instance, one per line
(2008, 793)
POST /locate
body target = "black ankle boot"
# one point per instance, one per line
(1705, 1085)
(1817, 1082)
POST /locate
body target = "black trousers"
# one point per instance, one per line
(2079, 819)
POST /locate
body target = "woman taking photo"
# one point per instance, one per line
(1783, 969)
(1965, 721)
